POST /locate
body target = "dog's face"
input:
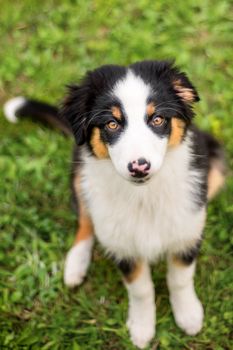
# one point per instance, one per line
(132, 115)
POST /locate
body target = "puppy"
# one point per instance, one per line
(142, 177)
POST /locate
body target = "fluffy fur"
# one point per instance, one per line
(142, 175)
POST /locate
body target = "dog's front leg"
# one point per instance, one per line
(79, 256)
(186, 306)
(141, 315)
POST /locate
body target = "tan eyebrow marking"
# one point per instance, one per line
(150, 109)
(116, 112)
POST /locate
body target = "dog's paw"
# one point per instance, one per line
(188, 315)
(77, 263)
(141, 331)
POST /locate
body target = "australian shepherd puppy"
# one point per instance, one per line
(143, 174)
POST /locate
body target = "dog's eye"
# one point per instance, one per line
(112, 125)
(157, 120)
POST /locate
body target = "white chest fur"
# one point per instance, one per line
(147, 220)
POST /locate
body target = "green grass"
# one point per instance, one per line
(43, 46)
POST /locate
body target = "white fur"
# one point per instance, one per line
(77, 262)
(141, 317)
(138, 141)
(148, 220)
(11, 106)
(186, 306)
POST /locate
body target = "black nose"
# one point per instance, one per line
(139, 168)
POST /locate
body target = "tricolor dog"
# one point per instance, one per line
(143, 175)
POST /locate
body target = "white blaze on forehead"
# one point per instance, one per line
(132, 93)
(137, 140)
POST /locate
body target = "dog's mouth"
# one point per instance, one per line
(140, 181)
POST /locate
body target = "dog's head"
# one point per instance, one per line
(131, 115)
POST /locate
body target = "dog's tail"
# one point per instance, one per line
(21, 107)
(217, 166)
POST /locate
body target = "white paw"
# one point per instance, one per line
(188, 314)
(141, 330)
(77, 262)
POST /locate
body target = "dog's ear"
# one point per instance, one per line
(75, 110)
(184, 88)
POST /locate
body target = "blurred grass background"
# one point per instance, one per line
(43, 46)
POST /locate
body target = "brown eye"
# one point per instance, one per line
(113, 126)
(157, 120)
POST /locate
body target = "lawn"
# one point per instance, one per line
(43, 46)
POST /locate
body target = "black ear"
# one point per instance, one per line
(75, 110)
(184, 88)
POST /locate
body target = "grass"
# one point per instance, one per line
(45, 45)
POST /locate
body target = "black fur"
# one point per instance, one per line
(161, 75)
(214, 152)
(126, 267)
(88, 97)
(75, 167)
(45, 114)
(205, 150)
(200, 162)
(190, 255)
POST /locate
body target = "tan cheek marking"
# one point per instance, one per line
(150, 109)
(85, 229)
(99, 148)
(185, 93)
(134, 274)
(177, 131)
(116, 112)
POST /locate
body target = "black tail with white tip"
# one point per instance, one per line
(21, 107)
